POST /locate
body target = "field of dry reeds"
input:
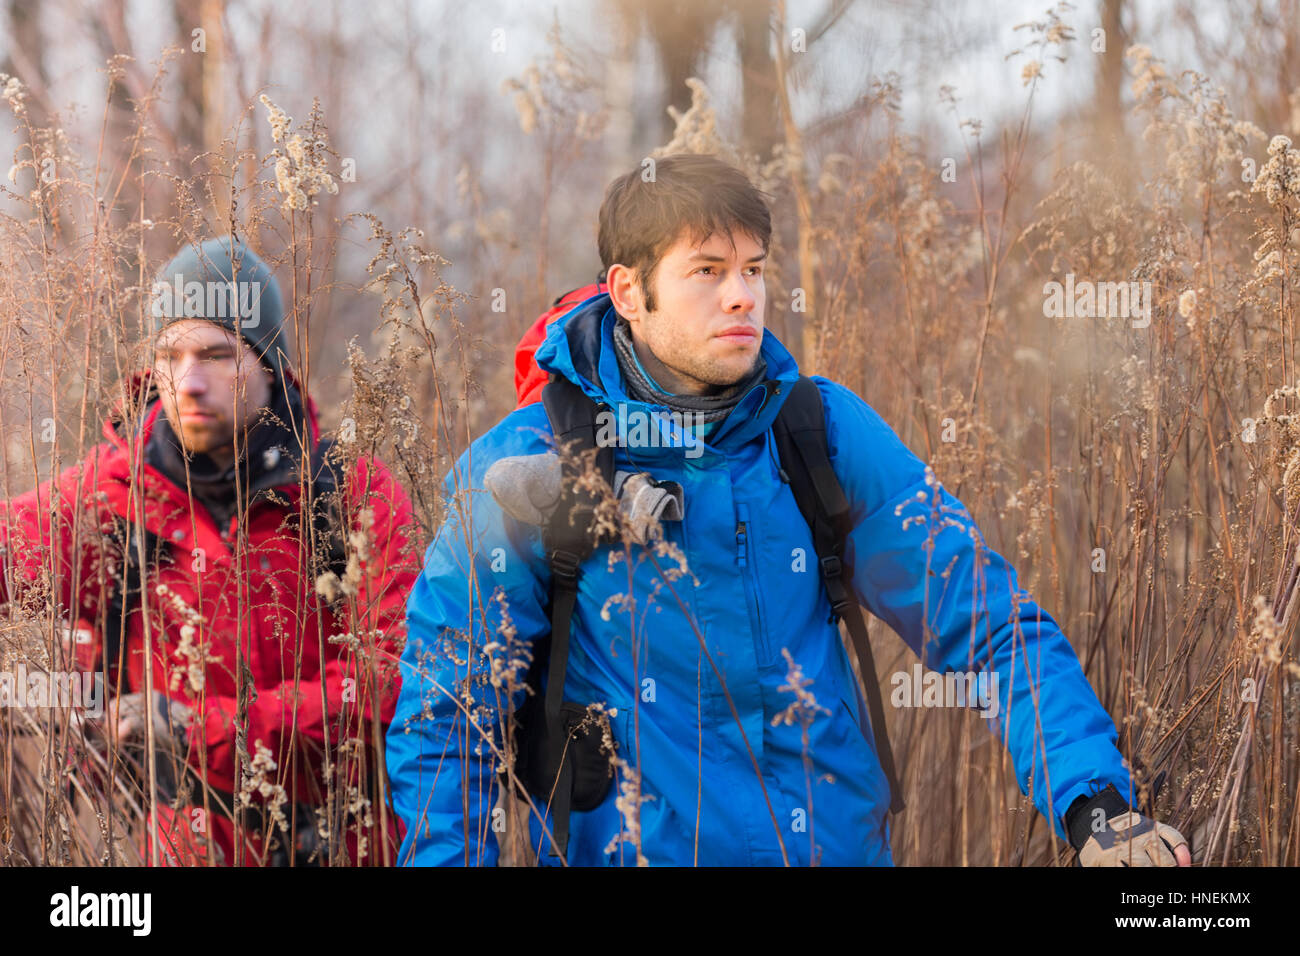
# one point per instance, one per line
(1141, 471)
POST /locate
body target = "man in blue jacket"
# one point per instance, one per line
(738, 733)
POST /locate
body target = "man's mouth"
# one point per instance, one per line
(197, 416)
(738, 335)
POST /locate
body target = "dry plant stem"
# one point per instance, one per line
(803, 201)
(1016, 152)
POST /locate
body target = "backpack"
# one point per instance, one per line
(559, 758)
(529, 379)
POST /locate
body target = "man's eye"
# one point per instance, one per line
(703, 269)
(755, 270)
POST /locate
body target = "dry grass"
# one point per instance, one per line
(1144, 480)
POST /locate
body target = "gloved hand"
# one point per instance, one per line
(645, 502)
(171, 721)
(528, 488)
(1107, 832)
(171, 728)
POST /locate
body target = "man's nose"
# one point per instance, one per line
(737, 295)
(189, 377)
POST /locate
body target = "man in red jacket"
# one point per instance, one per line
(245, 615)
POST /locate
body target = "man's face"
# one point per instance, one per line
(210, 383)
(707, 327)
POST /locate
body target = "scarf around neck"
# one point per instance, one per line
(265, 454)
(642, 388)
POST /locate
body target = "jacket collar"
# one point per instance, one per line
(130, 425)
(580, 346)
(266, 459)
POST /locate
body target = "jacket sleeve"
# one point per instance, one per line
(387, 571)
(482, 568)
(52, 547)
(920, 564)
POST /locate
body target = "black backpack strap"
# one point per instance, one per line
(569, 541)
(327, 508)
(800, 432)
(126, 595)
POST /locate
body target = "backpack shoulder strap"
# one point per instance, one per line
(800, 433)
(569, 540)
(572, 415)
(324, 475)
(327, 513)
(127, 593)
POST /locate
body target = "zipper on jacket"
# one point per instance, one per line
(748, 572)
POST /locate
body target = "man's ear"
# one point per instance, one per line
(626, 293)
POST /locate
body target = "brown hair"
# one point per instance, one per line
(698, 195)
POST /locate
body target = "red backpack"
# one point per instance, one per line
(529, 379)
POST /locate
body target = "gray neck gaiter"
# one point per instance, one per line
(714, 408)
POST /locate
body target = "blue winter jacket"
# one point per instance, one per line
(754, 590)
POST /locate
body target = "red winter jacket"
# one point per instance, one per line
(256, 604)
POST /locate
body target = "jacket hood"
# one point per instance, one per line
(580, 346)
